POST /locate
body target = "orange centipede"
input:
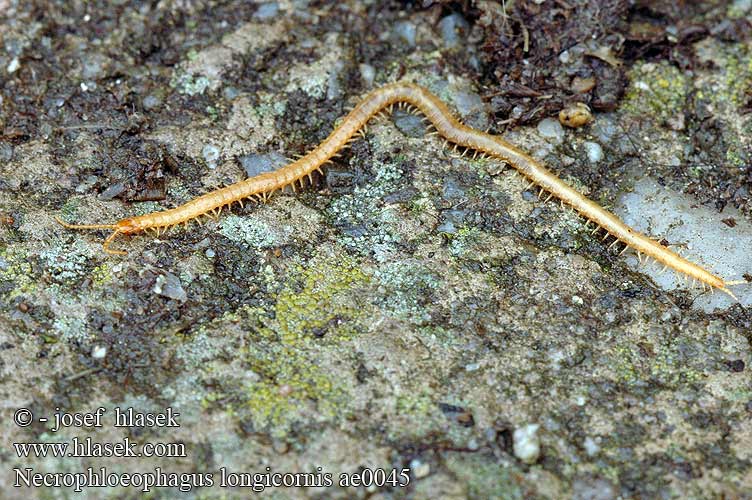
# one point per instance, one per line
(454, 133)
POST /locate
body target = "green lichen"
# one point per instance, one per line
(657, 90)
(408, 285)
(16, 272)
(253, 232)
(664, 365)
(65, 264)
(318, 307)
(322, 301)
(101, 275)
(486, 479)
(190, 84)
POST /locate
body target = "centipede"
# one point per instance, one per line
(454, 134)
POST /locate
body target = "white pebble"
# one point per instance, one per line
(419, 468)
(211, 155)
(367, 74)
(594, 151)
(98, 352)
(14, 65)
(550, 128)
(526, 443)
(591, 447)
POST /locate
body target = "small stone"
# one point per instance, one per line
(551, 129)
(6, 152)
(210, 254)
(255, 164)
(409, 124)
(266, 11)
(582, 85)
(168, 285)
(230, 93)
(527, 443)
(151, 101)
(98, 352)
(13, 65)
(367, 74)
(452, 28)
(211, 155)
(419, 468)
(406, 31)
(594, 151)
(591, 447)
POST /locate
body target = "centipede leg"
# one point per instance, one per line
(110, 239)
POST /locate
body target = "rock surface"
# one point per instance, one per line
(411, 309)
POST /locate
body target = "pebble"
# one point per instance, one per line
(470, 106)
(255, 164)
(112, 191)
(151, 101)
(266, 11)
(230, 93)
(591, 447)
(210, 253)
(406, 31)
(604, 129)
(211, 155)
(13, 65)
(92, 66)
(452, 221)
(98, 352)
(527, 443)
(168, 285)
(451, 28)
(550, 128)
(419, 468)
(6, 152)
(409, 124)
(367, 74)
(594, 151)
(575, 115)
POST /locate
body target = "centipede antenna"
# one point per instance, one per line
(84, 226)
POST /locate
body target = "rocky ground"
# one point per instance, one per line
(413, 308)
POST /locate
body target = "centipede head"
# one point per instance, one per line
(127, 226)
(124, 226)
